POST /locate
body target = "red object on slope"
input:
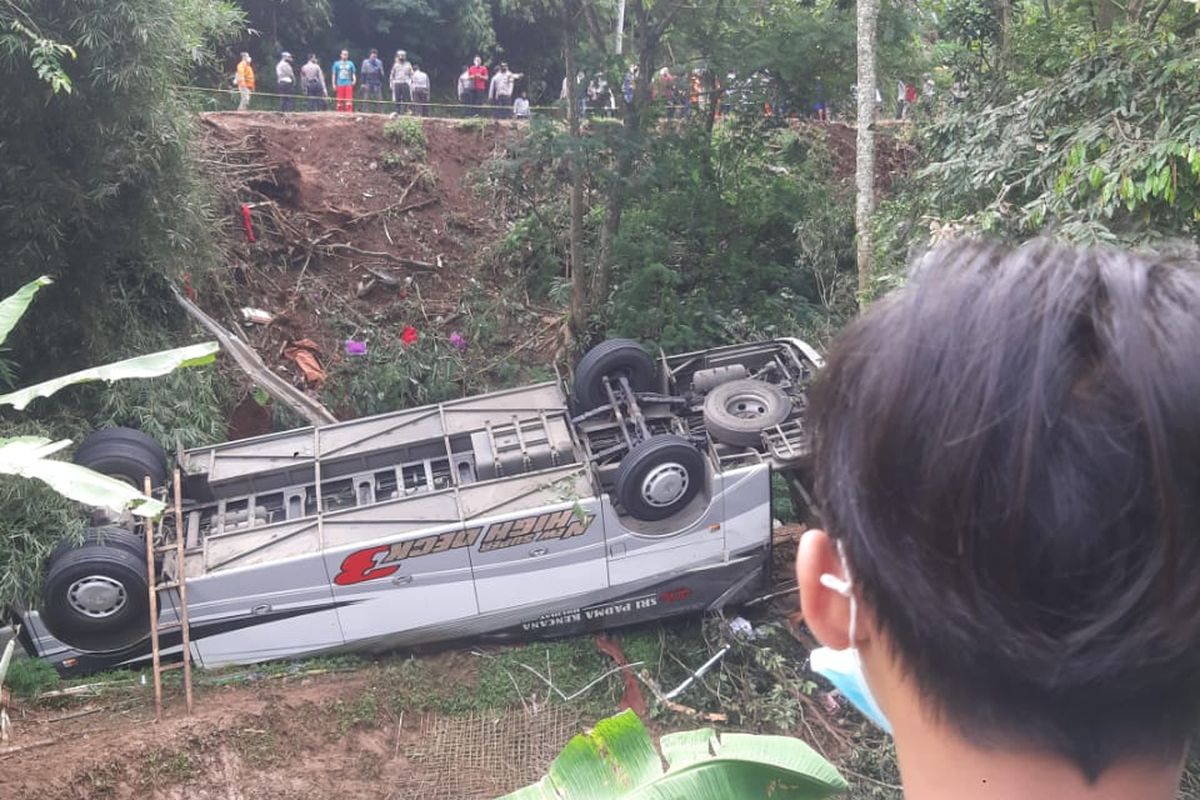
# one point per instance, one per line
(409, 336)
(632, 697)
(246, 222)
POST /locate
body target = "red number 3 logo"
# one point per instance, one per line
(361, 566)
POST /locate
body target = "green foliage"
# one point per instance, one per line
(1108, 152)
(107, 195)
(408, 132)
(33, 518)
(739, 251)
(393, 160)
(392, 376)
(27, 677)
(473, 125)
(46, 56)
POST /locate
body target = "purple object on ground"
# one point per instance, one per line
(459, 341)
(354, 348)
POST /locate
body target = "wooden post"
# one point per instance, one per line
(152, 579)
(181, 570)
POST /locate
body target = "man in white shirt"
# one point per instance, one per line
(502, 89)
(420, 90)
(401, 80)
(285, 79)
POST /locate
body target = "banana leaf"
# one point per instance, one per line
(12, 308)
(616, 760)
(28, 457)
(147, 366)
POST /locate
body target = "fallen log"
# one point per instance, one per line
(252, 364)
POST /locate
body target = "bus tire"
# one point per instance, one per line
(612, 358)
(125, 454)
(96, 596)
(659, 477)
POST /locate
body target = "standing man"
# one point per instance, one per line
(401, 80)
(466, 85)
(313, 80)
(502, 89)
(372, 75)
(245, 81)
(479, 77)
(344, 78)
(285, 78)
(420, 90)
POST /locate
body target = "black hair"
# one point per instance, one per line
(1009, 448)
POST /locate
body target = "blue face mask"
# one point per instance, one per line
(843, 668)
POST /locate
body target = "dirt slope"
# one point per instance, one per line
(349, 224)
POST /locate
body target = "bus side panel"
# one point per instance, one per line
(273, 610)
(540, 556)
(404, 582)
(747, 494)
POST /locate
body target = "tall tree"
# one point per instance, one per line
(864, 161)
(569, 16)
(650, 24)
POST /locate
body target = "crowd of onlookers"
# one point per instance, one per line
(405, 88)
(407, 85)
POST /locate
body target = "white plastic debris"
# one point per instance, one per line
(257, 316)
(740, 626)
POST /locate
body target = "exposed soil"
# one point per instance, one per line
(282, 737)
(893, 156)
(348, 223)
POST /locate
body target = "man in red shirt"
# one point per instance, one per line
(479, 88)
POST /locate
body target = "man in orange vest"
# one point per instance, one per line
(245, 81)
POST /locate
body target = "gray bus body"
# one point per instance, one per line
(489, 517)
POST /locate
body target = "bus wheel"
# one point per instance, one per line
(659, 477)
(613, 358)
(96, 596)
(125, 454)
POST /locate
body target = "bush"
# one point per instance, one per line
(763, 248)
(407, 132)
(1105, 153)
(28, 677)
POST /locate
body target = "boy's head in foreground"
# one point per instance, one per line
(1008, 455)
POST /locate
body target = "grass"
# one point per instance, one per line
(28, 677)
(473, 125)
(168, 766)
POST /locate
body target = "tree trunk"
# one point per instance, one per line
(1005, 44)
(864, 162)
(630, 141)
(579, 278)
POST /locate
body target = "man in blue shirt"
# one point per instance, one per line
(372, 76)
(344, 78)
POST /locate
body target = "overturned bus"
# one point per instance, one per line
(641, 491)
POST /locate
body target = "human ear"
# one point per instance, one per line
(825, 610)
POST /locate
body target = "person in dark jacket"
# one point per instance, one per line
(312, 80)
(372, 81)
